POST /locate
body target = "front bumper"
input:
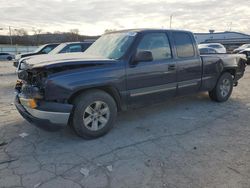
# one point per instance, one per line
(49, 116)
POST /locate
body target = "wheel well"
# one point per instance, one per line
(113, 92)
(231, 71)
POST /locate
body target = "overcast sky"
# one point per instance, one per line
(92, 17)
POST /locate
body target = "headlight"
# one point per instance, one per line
(23, 75)
(23, 65)
(18, 56)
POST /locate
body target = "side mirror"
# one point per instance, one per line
(143, 56)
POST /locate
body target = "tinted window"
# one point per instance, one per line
(47, 49)
(203, 51)
(215, 46)
(212, 51)
(3, 54)
(184, 44)
(158, 44)
(72, 48)
(85, 46)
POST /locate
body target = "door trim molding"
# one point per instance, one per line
(153, 89)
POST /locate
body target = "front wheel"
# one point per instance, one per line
(9, 58)
(223, 88)
(94, 114)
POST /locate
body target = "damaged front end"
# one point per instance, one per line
(31, 104)
(31, 84)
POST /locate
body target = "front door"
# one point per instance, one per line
(148, 82)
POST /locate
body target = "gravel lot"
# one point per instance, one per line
(186, 142)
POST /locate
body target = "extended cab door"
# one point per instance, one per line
(155, 80)
(189, 64)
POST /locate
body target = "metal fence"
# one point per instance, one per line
(16, 49)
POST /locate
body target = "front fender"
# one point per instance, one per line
(63, 85)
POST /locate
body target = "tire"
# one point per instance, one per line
(223, 88)
(94, 114)
(9, 58)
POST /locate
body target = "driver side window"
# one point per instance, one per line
(47, 49)
(158, 44)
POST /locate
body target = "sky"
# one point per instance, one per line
(93, 17)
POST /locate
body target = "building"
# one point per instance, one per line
(229, 39)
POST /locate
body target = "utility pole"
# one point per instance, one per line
(170, 21)
(10, 35)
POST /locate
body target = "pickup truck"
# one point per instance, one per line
(121, 70)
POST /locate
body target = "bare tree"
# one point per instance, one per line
(37, 32)
(74, 34)
(21, 32)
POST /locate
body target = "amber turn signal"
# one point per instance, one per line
(32, 103)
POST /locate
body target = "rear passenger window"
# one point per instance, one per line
(158, 44)
(72, 48)
(184, 45)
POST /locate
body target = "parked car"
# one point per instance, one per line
(71, 47)
(247, 53)
(68, 47)
(44, 49)
(242, 47)
(217, 46)
(208, 50)
(6, 56)
(121, 70)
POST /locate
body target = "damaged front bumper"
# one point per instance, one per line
(50, 116)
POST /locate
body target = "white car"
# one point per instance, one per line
(207, 50)
(6, 56)
(242, 47)
(217, 46)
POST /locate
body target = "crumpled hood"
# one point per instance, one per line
(57, 60)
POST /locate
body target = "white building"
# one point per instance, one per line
(229, 39)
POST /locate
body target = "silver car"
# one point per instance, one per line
(6, 56)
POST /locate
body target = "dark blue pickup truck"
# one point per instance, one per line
(121, 70)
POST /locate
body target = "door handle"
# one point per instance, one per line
(171, 67)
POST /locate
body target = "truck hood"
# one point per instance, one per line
(61, 60)
(19, 56)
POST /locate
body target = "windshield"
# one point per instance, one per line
(111, 46)
(215, 46)
(39, 48)
(57, 49)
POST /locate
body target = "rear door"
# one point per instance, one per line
(148, 82)
(189, 64)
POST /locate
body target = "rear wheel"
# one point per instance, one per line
(94, 114)
(9, 58)
(223, 88)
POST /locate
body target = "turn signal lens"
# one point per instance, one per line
(32, 103)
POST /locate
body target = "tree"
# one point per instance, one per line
(37, 32)
(109, 30)
(21, 32)
(74, 34)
